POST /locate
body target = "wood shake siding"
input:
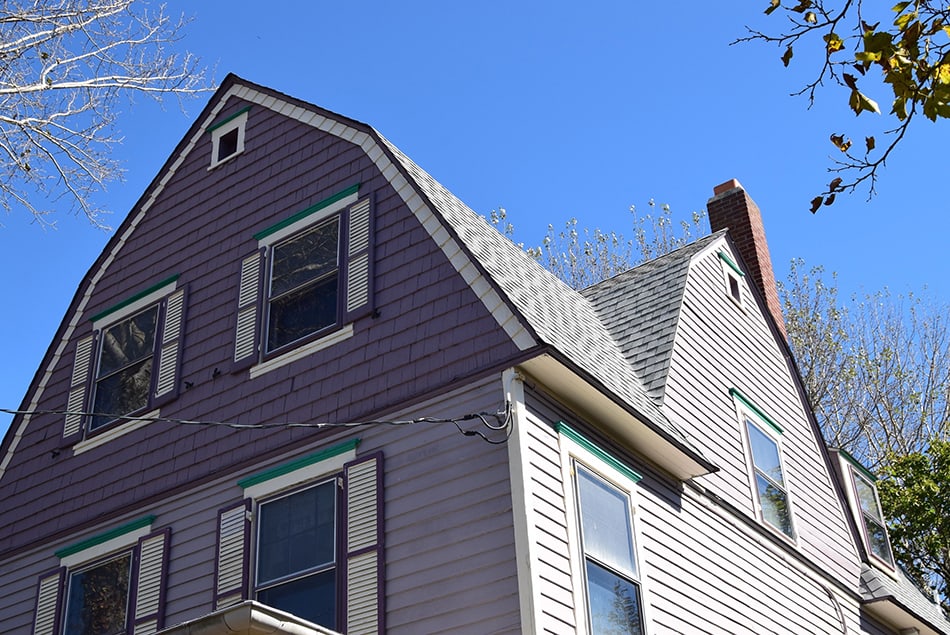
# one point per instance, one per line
(431, 330)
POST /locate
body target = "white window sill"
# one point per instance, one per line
(335, 337)
(114, 433)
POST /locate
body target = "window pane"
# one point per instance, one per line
(296, 533)
(312, 598)
(605, 523)
(98, 599)
(122, 392)
(614, 602)
(765, 453)
(128, 341)
(301, 313)
(305, 258)
(774, 502)
(877, 539)
(866, 497)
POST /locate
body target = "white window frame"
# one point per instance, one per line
(853, 470)
(750, 414)
(235, 122)
(624, 479)
(732, 275)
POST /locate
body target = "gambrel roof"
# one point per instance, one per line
(541, 315)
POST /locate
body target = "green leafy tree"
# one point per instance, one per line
(64, 65)
(899, 56)
(915, 495)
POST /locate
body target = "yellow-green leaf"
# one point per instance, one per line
(868, 56)
(899, 7)
(860, 102)
(802, 6)
(833, 42)
(840, 142)
(811, 18)
(943, 74)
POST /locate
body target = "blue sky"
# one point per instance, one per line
(550, 109)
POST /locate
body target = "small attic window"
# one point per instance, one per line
(227, 137)
(733, 274)
(866, 506)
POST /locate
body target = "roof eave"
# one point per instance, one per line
(616, 418)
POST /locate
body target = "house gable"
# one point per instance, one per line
(433, 326)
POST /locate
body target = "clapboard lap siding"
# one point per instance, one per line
(200, 227)
(431, 533)
(747, 357)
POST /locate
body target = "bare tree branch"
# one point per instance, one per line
(64, 66)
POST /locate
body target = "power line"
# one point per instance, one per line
(493, 421)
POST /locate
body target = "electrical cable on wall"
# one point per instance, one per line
(493, 421)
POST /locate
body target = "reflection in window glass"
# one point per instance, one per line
(124, 374)
(769, 479)
(873, 518)
(98, 598)
(304, 285)
(613, 590)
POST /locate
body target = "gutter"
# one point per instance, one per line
(247, 618)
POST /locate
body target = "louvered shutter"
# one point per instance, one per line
(46, 615)
(231, 570)
(359, 260)
(247, 331)
(169, 355)
(149, 594)
(364, 602)
(79, 387)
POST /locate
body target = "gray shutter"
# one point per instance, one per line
(150, 586)
(247, 332)
(169, 355)
(79, 386)
(231, 567)
(364, 545)
(46, 615)
(359, 260)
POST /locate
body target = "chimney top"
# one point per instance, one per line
(731, 184)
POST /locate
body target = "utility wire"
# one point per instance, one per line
(493, 421)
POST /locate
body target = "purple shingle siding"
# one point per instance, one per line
(431, 331)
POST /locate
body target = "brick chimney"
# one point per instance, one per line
(731, 208)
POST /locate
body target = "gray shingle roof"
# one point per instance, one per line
(558, 315)
(640, 308)
(876, 586)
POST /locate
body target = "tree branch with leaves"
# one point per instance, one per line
(64, 65)
(866, 49)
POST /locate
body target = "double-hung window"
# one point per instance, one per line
(307, 281)
(608, 579)
(307, 539)
(296, 553)
(771, 497)
(110, 584)
(129, 364)
(610, 565)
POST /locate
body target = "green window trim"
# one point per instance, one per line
(217, 125)
(353, 189)
(564, 429)
(732, 265)
(82, 545)
(856, 465)
(296, 464)
(135, 298)
(745, 401)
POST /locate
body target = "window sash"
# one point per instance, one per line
(769, 479)
(78, 612)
